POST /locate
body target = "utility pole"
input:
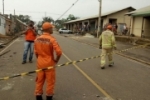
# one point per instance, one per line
(99, 18)
(14, 12)
(45, 14)
(3, 6)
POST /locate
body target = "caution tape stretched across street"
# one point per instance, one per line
(68, 63)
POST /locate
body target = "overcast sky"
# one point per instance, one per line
(55, 8)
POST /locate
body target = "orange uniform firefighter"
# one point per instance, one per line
(44, 47)
(107, 43)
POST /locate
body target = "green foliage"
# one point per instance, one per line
(24, 18)
(48, 19)
(39, 25)
(59, 23)
(45, 19)
(71, 17)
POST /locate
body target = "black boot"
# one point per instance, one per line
(49, 97)
(39, 97)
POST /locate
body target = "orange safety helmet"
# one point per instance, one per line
(47, 25)
(109, 27)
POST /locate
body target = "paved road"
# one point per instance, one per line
(127, 80)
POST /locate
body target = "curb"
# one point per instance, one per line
(20, 33)
(121, 54)
(4, 45)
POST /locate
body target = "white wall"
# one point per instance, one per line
(137, 26)
(2, 25)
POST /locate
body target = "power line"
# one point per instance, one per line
(68, 9)
(49, 12)
(34, 12)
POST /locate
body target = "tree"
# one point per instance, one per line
(24, 18)
(48, 19)
(45, 19)
(71, 17)
(39, 25)
(59, 23)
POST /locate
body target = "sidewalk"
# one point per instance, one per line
(5, 40)
(134, 40)
(140, 54)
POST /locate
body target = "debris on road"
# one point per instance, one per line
(97, 96)
(10, 56)
(1, 45)
(88, 35)
(4, 53)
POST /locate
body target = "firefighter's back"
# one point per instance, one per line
(44, 49)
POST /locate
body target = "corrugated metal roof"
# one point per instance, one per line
(96, 16)
(112, 12)
(142, 12)
(81, 19)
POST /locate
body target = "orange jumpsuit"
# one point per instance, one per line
(44, 49)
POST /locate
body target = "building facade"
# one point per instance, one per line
(140, 22)
(2, 25)
(115, 17)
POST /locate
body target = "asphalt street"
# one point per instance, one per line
(127, 80)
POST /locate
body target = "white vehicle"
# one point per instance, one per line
(64, 30)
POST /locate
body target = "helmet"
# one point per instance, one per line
(109, 27)
(47, 25)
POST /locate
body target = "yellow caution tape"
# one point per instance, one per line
(68, 63)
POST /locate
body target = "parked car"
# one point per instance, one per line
(64, 30)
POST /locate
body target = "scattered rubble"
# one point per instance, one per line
(4, 53)
(1, 45)
(4, 40)
(88, 35)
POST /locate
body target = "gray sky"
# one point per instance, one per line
(55, 8)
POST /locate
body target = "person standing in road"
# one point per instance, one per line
(30, 36)
(115, 27)
(107, 44)
(44, 48)
(125, 29)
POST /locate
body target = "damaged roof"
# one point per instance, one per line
(96, 16)
(140, 12)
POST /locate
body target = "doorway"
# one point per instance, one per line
(112, 21)
(146, 27)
